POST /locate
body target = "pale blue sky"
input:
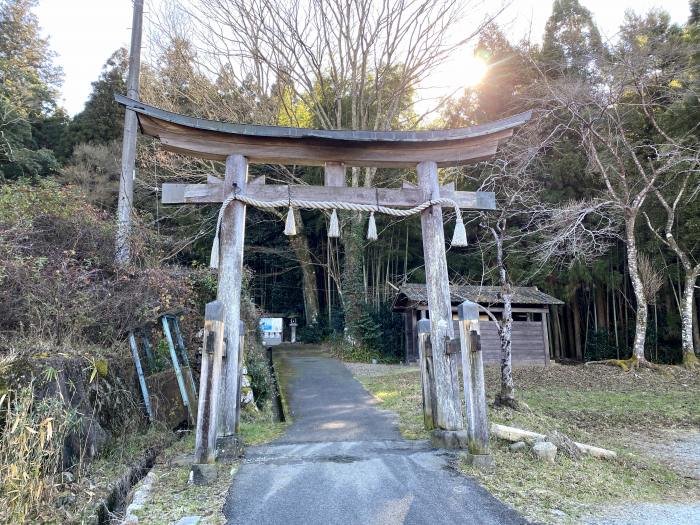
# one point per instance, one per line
(85, 32)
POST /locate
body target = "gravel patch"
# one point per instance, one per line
(370, 370)
(679, 449)
(647, 513)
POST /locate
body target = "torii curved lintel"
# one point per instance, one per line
(283, 145)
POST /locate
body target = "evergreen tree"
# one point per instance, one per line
(694, 12)
(499, 92)
(28, 111)
(572, 42)
(27, 73)
(102, 119)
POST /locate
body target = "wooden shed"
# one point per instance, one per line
(531, 330)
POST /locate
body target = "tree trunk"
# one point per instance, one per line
(556, 326)
(614, 311)
(642, 314)
(570, 344)
(687, 318)
(696, 325)
(600, 308)
(352, 280)
(576, 318)
(506, 397)
(300, 245)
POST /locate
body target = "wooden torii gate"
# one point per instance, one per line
(239, 145)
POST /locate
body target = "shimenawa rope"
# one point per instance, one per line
(458, 239)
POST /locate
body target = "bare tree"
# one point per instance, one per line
(526, 226)
(336, 64)
(510, 229)
(506, 232)
(605, 112)
(353, 63)
(682, 192)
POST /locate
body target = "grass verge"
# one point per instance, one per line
(594, 405)
(259, 428)
(172, 497)
(400, 393)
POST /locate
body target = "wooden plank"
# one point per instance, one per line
(473, 373)
(427, 377)
(231, 239)
(449, 412)
(284, 145)
(142, 377)
(178, 371)
(183, 352)
(545, 337)
(333, 175)
(315, 153)
(527, 342)
(173, 193)
(210, 383)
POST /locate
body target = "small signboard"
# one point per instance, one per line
(271, 328)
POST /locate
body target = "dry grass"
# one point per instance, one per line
(597, 405)
(31, 450)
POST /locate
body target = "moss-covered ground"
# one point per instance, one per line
(598, 405)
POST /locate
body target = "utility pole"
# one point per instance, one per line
(126, 181)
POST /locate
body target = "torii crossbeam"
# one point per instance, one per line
(238, 145)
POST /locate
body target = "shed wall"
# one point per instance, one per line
(528, 341)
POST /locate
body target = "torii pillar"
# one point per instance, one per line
(449, 409)
(231, 241)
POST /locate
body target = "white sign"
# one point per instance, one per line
(271, 328)
(271, 324)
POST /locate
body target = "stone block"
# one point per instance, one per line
(203, 473)
(518, 445)
(545, 451)
(228, 449)
(480, 461)
(449, 439)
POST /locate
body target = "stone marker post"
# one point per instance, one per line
(209, 387)
(427, 381)
(474, 387)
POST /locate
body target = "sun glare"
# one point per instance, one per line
(474, 70)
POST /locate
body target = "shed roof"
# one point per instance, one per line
(417, 293)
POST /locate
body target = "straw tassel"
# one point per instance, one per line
(371, 228)
(290, 227)
(334, 227)
(214, 258)
(459, 238)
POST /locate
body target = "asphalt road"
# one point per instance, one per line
(342, 461)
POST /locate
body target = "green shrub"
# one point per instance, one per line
(600, 345)
(380, 335)
(259, 372)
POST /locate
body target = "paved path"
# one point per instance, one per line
(342, 461)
